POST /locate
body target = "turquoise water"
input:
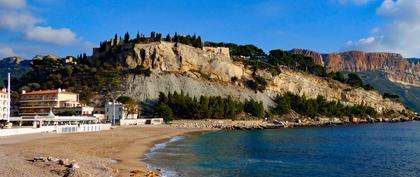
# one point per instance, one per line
(362, 150)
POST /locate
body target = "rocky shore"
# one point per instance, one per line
(282, 123)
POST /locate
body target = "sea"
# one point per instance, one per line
(382, 149)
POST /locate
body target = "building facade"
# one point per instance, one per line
(3, 104)
(39, 103)
(120, 112)
(77, 110)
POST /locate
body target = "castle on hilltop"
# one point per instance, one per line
(127, 43)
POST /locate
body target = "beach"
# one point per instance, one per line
(116, 152)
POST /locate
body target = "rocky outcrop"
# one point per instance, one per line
(177, 67)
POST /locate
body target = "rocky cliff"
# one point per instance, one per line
(398, 69)
(209, 71)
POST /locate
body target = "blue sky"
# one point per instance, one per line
(70, 27)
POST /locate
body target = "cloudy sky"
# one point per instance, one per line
(70, 27)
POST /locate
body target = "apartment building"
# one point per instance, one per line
(39, 103)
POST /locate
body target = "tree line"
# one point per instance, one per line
(178, 105)
(319, 107)
(192, 40)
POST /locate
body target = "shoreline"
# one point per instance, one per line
(116, 152)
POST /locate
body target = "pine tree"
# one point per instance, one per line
(176, 38)
(115, 39)
(138, 37)
(126, 38)
(168, 38)
(152, 35)
(199, 43)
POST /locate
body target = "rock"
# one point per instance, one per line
(354, 120)
(74, 166)
(53, 159)
(38, 159)
(63, 161)
(152, 174)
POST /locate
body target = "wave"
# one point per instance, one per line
(164, 144)
(155, 149)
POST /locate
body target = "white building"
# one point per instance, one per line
(3, 104)
(120, 113)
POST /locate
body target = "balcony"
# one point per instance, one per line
(38, 106)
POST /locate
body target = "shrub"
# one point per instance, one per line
(391, 96)
(258, 84)
(234, 79)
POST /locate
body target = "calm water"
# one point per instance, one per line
(363, 150)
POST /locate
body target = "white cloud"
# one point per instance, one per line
(399, 35)
(6, 52)
(15, 16)
(12, 4)
(60, 36)
(356, 2)
(12, 20)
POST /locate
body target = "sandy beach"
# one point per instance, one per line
(116, 152)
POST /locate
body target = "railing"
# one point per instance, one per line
(55, 129)
(36, 100)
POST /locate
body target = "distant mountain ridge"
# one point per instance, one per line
(398, 69)
(388, 72)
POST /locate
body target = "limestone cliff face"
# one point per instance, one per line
(209, 72)
(398, 69)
